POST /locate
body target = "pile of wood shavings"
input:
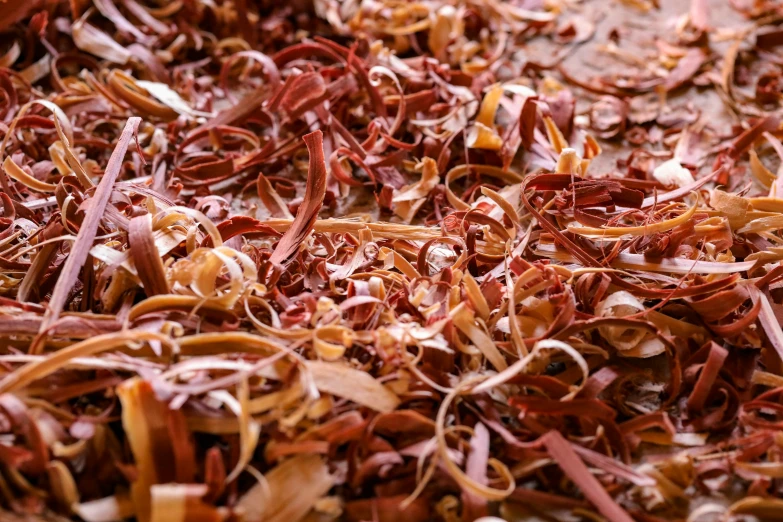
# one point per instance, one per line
(357, 261)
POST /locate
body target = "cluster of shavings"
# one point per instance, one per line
(343, 260)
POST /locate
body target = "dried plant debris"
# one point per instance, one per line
(382, 260)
